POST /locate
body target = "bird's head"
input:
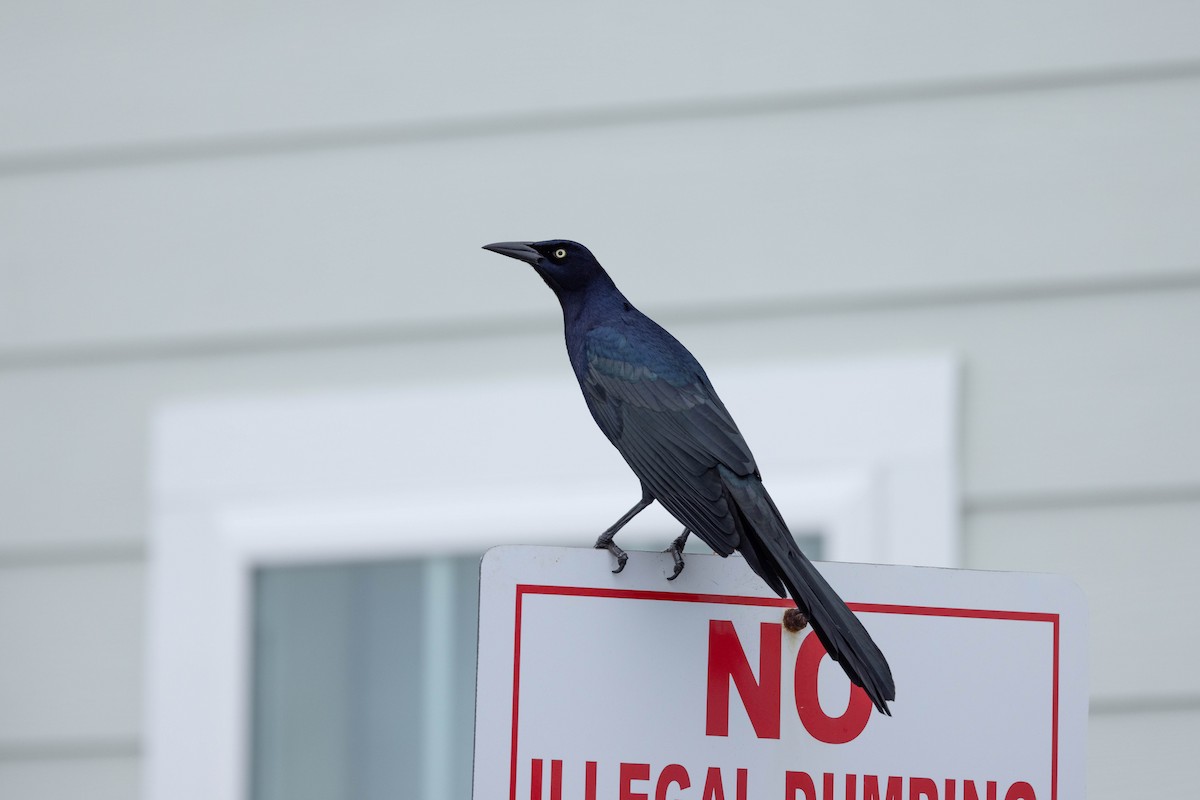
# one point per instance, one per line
(565, 266)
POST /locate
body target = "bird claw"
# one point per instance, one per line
(618, 553)
(678, 565)
(676, 551)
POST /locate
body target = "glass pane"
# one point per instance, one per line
(349, 698)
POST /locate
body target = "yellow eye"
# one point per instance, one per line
(560, 253)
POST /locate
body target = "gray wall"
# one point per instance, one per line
(193, 203)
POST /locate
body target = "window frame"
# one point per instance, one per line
(868, 456)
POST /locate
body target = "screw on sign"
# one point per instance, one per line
(729, 667)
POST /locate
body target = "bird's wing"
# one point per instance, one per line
(655, 404)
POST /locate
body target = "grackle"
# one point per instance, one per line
(654, 402)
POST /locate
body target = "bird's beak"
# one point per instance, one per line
(518, 250)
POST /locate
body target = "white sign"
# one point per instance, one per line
(595, 686)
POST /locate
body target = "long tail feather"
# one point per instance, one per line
(776, 552)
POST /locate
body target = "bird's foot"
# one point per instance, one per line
(605, 542)
(676, 551)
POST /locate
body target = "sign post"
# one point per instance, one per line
(595, 686)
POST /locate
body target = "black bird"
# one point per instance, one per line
(656, 405)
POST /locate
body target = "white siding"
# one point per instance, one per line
(1135, 563)
(1142, 754)
(1019, 188)
(85, 75)
(72, 665)
(1029, 189)
(70, 778)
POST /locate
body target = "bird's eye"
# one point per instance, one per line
(560, 253)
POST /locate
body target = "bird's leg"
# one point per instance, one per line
(676, 551)
(605, 542)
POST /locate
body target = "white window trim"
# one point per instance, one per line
(862, 450)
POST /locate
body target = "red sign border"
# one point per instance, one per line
(523, 589)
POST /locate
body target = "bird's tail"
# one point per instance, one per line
(772, 552)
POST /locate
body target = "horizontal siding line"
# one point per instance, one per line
(32, 357)
(115, 747)
(1143, 705)
(1022, 502)
(126, 747)
(67, 554)
(390, 135)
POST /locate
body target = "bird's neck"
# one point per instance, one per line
(591, 305)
